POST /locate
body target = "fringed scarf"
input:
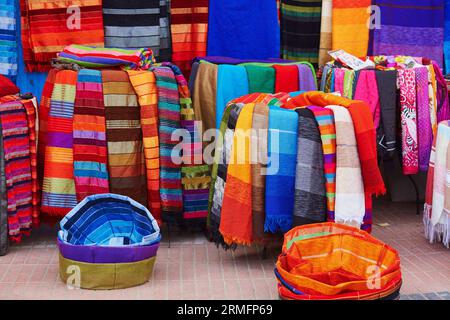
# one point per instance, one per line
(286, 78)
(310, 204)
(205, 92)
(349, 203)
(280, 179)
(300, 30)
(189, 28)
(58, 191)
(325, 32)
(424, 130)
(8, 39)
(236, 221)
(50, 26)
(90, 153)
(17, 168)
(126, 162)
(408, 116)
(169, 121)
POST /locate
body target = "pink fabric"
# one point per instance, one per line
(367, 90)
(424, 132)
(408, 114)
(339, 80)
(442, 95)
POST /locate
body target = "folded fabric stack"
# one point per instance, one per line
(328, 261)
(107, 241)
(282, 161)
(416, 85)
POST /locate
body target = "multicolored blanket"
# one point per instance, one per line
(8, 39)
(4, 239)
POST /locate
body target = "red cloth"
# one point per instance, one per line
(7, 87)
(286, 78)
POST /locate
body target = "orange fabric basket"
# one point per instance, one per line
(333, 261)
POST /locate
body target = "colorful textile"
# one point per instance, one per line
(349, 25)
(234, 61)
(447, 36)
(58, 191)
(189, 27)
(424, 130)
(300, 30)
(367, 91)
(310, 192)
(17, 168)
(260, 78)
(408, 115)
(442, 95)
(280, 179)
(89, 136)
(232, 82)
(325, 120)
(307, 77)
(7, 87)
(432, 94)
(286, 78)
(94, 57)
(339, 75)
(243, 29)
(236, 220)
(8, 39)
(126, 162)
(325, 32)
(169, 121)
(205, 91)
(144, 84)
(50, 26)
(349, 78)
(4, 241)
(349, 202)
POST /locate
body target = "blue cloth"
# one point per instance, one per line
(232, 82)
(447, 36)
(8, 38)
(243, 29)
(280, 179)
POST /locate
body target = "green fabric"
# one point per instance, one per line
(306, 236)
(260, 78)
(349, 76)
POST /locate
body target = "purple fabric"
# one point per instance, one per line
(442, 95)
(103, 254)
(306, 79)
(228, 60)
(424, 130)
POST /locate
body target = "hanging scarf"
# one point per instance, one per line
(349, 203)
(169, 121)
(300, 30)
(307, 77)
(280, 180)
(310, 193)
(408, 116)
(367, 90)
(286, 78)
(89, 136)
(349, 78)
(4, 241)
(260, 78)
(442, 95)
(144, 84)
(429, 192)
(424, 130)
(8, 39)
(325, 32)
(61, 27)
(205, 92)
(432, 91)
(447, 36)
(58, 191)
(236, 216)
(126, 163)
(189, 27)
(387, 91)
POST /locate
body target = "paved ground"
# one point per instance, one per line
(193, 268)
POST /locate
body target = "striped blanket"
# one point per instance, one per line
(17, 168)
(58, 191)
(89, 136)
(189, 28)
(325, 32)
(4, 241)
(8, 39)
(300, 30)
(51, 25)
(126, 163)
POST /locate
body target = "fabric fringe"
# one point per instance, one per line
(273, 224)
(439, 232)
(218, 239)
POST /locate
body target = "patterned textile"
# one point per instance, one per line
(8, 39)
(189, 28)
(51, 25)
(300, 30)
(4, 241)
(144, 84)
(17, 168)
(94, 57)
(169, 121)
(408, 115)
(310, 192)
(424, 130)
(58, 191)
(349, 25)
(414, 28)
(325, 32)
(89, 136)
(126, 163)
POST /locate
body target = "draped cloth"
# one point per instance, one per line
(90, 154)
(4, 241)
(424, 129)
(367, 90)
(205, 90)
(8, 39)
(310, 193)
(325, 31)
(58, 191)
(306, 77)
(189, 31)
(286, 78)
(300, 30)
(447, 36)
(126, 162)
(261, 78)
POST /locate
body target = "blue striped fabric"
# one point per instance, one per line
(8, 39)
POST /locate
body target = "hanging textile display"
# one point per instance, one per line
(300, 30)
(243, 29)
(8, 39)
(48, 27)
(189, 31)
(410, 28)
(325, 31)
(4, 237)
(447, 36)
